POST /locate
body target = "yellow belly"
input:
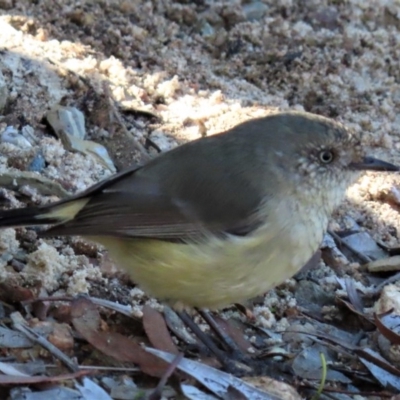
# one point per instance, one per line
(213, 274)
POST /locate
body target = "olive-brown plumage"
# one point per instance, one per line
(222, 218)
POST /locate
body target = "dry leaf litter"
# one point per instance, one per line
(175, 71)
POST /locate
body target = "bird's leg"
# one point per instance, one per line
(188, 321)
(227, 341)
(242, 363)
(228, 364)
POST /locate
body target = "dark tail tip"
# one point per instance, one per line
(24, 217)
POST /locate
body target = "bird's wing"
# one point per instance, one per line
(135, 204)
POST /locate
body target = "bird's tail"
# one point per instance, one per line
(52, 214)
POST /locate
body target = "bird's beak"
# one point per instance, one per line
(373, 164)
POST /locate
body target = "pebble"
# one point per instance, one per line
(28, 133)
(37, 164)
(67, 121)
(12, 135)
(255, 11)
(68, 124)
(4, 93)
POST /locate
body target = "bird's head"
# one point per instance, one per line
(319, 158)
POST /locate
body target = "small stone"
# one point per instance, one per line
(12, 135)
(62, 337)
(67, 121)
(255, 11)
(207, 30)
(29, 134)
(3, 89)
(328, 18)
(389, 300)
(37, 164)
(18, 266)
(384, 264)
(163, 141)
(5, 257)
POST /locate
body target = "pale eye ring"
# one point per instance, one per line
(326, 156)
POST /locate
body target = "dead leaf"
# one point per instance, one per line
(218, 382)
(86, 320)
(353, 295)
(12, 290)
(90, 390)
(368, 323)
(29, 380)
(385, 378)
(234, 333)
(387, 324)
(157, 331)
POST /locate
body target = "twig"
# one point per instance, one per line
(117, 369)
(20, 325)
(122, 309)
(14, 180)
(157, 392)
(339, 240)
(118, 119)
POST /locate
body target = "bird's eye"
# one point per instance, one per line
(326, 156)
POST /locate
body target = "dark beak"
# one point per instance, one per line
(373, 164)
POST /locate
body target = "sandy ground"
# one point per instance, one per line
(177, 70)
(201, 68)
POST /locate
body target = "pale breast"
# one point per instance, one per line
(223, 271)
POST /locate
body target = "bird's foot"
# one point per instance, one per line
(232, 359)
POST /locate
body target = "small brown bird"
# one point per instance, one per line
(220, 219)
